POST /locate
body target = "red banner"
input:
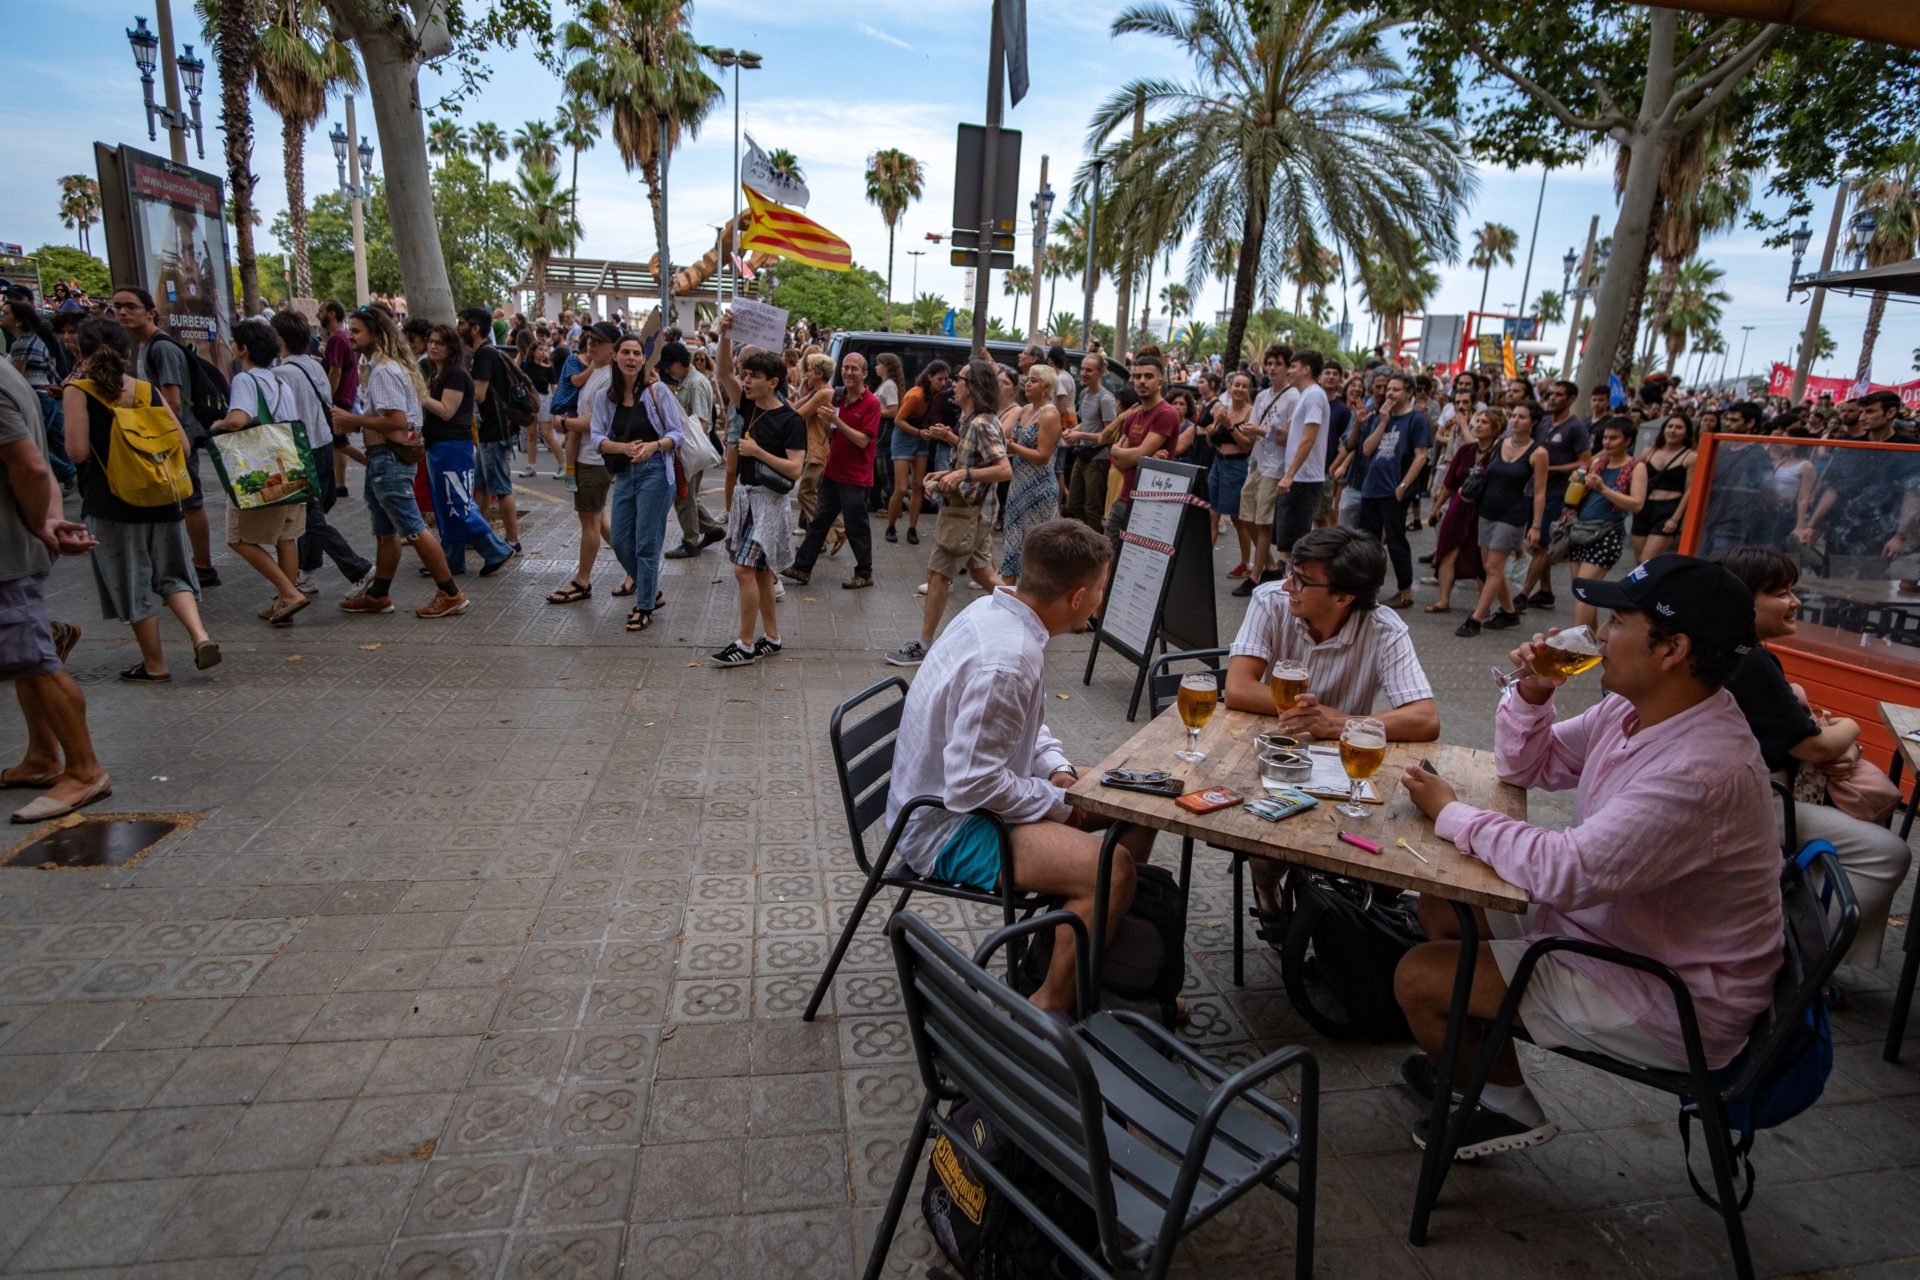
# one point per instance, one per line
(1780, 383)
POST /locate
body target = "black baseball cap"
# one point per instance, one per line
(1697, 598)
(675, 353)
(604, 331)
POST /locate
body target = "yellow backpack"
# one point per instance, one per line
(146, 462)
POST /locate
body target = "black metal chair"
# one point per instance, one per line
(1112, 1107)
(1910, 963)
(1163, 686)
(863, 760)
(1817, 935)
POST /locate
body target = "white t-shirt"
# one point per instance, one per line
(888, 394)
(1272, 411)
(1309, 406)
(254, 388)
(1066, 385)
(385, 385)
(306, 383)
(595, 390)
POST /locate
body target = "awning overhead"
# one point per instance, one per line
(1895, 277)
(1885, 21)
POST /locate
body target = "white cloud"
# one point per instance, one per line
(883, 37)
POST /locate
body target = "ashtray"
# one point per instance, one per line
(1274, 742)
(1285, 767)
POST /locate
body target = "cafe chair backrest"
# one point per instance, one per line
(862, 736)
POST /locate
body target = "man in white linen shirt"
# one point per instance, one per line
(1272, 412)
(1325, 613)
(972, 734)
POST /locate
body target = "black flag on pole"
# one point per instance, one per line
(1013, 32)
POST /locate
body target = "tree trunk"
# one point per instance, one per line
(1146, 300)
(235, 56)
(1870, 336)
(293, 139)
(1252, 232)
(1053, 281)
(1486, 278)
(573, 201)
(539, 274)
(1123, 277)
(388, 51)
(890, 230)
(1637, 296)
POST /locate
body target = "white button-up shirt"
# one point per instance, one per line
(971, 732)
(1371, 653)
(1272, 413)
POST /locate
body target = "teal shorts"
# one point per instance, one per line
(971, 855)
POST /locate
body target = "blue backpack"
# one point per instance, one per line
(1792, 1082)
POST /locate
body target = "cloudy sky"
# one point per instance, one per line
(896, 73)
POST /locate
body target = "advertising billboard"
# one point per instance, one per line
(179, 244)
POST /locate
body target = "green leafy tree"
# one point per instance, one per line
(1693, 307)
(843, 299)
(80, 206)
(1891, 195)
(928, 313)
(446, 139)
(579, 127)
(63, 262)
(1261, 143)
(298, 61)
(1700, 195)
(542, 224)
(1016, 283)
(1493, 244)
(330, 245)
(894, 179)
(786, 165)
(1550, 306)
(1548, 80)
(1177, 300)
(1395, 291)
(1054, 263)
(1065, 328)
(232, 29)
(487, 143)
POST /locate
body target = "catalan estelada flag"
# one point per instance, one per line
(776, 229)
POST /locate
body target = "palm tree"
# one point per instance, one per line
(1065, 328)
(579, 126)
(1072, 233)
(537, 145)
(542, 223)
(445, 138)
(1493, 243)
(1550, 306)
(786, 165)
(1395, 292)
(1260, 144)
(1053, 261)
(1892, 197)
(233, 29)
(487, 143)
(1693, 308)
(634, 60)
(1017, 283)
(926, 313)
(1823, 344)
(894, 179)
(1701, 194)
(80, 205)
(299, 61)
(1310, 265)
(1177, 300)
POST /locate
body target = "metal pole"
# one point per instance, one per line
(733, 228)
(170, 81)
(1580, 295)
(1740, 371)
(989, 176)
(1526, 277)
(1039, 250)
(666, 268)
(916, 255)
(1093, 226)
(1804, 365)
(362, 293)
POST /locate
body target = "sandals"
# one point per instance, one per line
(281, 614)
(138, 674)
(624, 589)
(639, 619)
(572, 592)
(1438, 608)
(28, 784)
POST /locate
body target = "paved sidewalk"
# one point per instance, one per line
(485, 956)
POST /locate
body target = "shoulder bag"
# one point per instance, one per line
(269, 464)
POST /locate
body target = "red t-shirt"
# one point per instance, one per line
(338, 354)
(1162, 420)
(845, 463)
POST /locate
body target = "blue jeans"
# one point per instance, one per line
(53, 418)
(450, 479)
(642, 497)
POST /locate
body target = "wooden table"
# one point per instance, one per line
(1311, 840)
(1902, 721)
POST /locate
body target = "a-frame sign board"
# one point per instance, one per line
(1161, 591)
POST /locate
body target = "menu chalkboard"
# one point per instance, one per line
(1161, 590)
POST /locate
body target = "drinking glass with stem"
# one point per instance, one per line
(1565, 655)
(1363, 749)
(1199, 695)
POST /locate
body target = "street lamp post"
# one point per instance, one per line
(1041, 207)
(146, 47)
(1801, 235)
(1579, 295)
(739, 60)
(1740, 370)
(916, 255)
(1093, 225)
(344, 153)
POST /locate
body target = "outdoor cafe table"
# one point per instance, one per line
(1311, 840)
(1903, 722)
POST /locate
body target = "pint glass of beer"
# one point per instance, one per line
(1287, 680)
(1565, 655)
(1199, 695)
(1363, 749)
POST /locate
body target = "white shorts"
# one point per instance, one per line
(1565, 1009)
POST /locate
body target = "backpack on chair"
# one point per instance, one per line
(1144, 965)
(1340, 942)
(146, 462)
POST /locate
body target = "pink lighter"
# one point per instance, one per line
(1359, 842)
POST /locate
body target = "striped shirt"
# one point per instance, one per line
(1371, 654)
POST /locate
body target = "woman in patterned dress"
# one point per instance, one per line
(1032, 496)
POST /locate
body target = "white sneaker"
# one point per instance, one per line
(306, 585)
(920, 590)
(779, 590)
(974, 584)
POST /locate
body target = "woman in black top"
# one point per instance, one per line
(447, 424)
(1505, 525)
(771, 452)
(534, 355)
(141, 560)
(1800, 746)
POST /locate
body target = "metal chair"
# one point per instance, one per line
(1103, 1106)
(1816, 937)
(1163, 686)
(863, 760)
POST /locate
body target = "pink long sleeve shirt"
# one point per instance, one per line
(1672, 855)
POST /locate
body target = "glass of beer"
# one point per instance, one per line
(1565, 655)
(1199, 695)
(1363, 749)
(1287, 680)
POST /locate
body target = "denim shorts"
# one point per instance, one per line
(493, 468)
(1225, 478)
(390, 500)
(904, 447)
